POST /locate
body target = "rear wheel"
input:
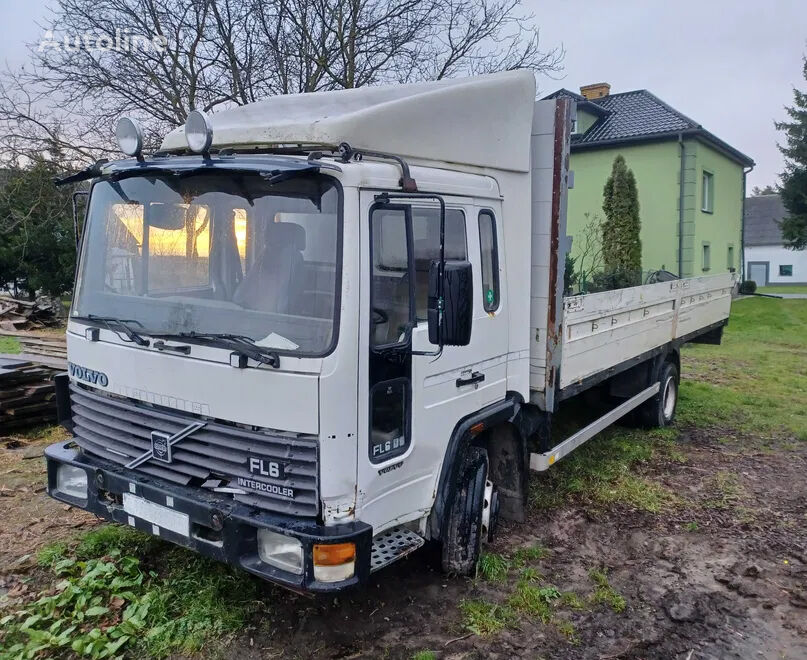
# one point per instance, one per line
(660, 410)
(469, 519)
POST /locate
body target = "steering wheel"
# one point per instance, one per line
(379, 316)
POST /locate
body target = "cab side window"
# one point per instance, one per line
(426, 234)
(488, 245)
(391, 307)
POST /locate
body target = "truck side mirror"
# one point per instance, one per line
(458, 296)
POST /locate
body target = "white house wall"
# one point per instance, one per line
(776, 256)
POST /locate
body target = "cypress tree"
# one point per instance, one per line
(621, 244)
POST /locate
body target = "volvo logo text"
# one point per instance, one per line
(88, 375)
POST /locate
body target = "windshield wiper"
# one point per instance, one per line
(240, 344)
(117, 326)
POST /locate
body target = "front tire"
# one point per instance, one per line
(462, 538)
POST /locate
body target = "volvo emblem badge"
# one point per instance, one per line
(160, 447)
(161, 444)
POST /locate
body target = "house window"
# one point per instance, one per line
(730, 258)
(490, 260)
(708, 205)
(706, 257)
(786, 271)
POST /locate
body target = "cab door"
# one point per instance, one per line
(414, 400)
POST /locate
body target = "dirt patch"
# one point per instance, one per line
(721, 575)
(29, 519)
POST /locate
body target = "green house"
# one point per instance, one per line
(691, 184)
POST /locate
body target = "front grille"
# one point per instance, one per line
(119, 430)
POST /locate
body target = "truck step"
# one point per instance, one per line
(391, 545)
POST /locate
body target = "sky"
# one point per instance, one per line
(730, 65)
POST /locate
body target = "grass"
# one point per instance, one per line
(534, 600)
(532, 553)
(727, 491)
(792, 288)
(601, 472)
(531, 597)
(9, 345)
(756, 381)
(604, 593)
(567, 629)
(119, 591)
(425, 655)
(493, 567)
(485, 618)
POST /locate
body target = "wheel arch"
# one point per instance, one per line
(473, 430)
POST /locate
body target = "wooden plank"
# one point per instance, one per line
(52, 362)
(22, 411)
(8, 406)
(26, 423)
(46, 352)
(35, 335)
(36, 341)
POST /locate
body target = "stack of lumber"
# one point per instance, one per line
(27, 394)
(16, 314)
(40, 344)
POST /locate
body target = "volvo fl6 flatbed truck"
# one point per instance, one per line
(314, 332)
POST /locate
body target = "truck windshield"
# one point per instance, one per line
(216, 253)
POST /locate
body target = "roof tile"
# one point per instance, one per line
(634, 114)
(761, 222)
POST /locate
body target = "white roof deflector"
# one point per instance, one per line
(483, 121)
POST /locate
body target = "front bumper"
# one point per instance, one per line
(219, 527)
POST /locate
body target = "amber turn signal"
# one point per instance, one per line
(334, 554)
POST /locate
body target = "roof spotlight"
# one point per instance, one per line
(130, 136)
(198, 132)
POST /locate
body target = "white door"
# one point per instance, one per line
(415, 401)
(758, 272)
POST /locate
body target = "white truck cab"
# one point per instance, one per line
(313, 332)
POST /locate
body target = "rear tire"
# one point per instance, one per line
(462, 538)
(660, 410)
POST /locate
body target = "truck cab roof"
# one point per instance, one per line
(484, 121)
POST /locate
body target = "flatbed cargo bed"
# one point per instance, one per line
(601, 331)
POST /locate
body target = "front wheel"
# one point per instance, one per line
(660, 410)
(466, 523)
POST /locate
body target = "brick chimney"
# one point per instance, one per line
(595, 91)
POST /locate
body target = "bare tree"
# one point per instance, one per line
(589, 257)
(162, 58)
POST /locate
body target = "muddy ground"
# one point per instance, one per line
(721, 573)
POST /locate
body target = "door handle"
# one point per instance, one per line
(474, 379)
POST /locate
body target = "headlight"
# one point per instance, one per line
(130, 136)
(198, 132)
(280, 551)
(71, 481)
